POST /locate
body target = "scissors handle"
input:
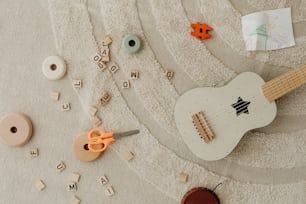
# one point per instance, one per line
(99, 140)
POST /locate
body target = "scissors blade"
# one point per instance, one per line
(123, 134)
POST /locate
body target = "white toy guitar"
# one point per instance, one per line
(213, 120)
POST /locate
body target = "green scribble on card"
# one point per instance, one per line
(262, 31)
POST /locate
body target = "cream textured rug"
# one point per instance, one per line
(269, 164)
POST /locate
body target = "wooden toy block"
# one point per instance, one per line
(105, 59)
(34, 152)
(72, 187)
(97, 121)
(66, 107)
(126, 84)
(55, 95)
(97, 58)
(169, 75)
(74, 177)
(104, 100)
(77, 83)
(101, 66)
(60, 166)
(129, 156)
(109, 191)
(106, 41)
(134, 74)
(113, 68)
(105, 52)
(182, 178)
(40, 185)
(93, 111)
(75, 200)
(103, 180)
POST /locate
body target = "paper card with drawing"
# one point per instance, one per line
(268, 30)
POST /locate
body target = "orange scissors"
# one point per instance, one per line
(99, 139)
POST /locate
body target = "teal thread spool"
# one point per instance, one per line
(131, 44)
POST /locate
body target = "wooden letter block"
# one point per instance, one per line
(103, 180)
(55, 96)
(93, 111)
(129, 156)
(169, 75)
(105, 59)
(109, 191)
(77, 83)
(113, 68)
(66, 107)
(105, 99)
(101, 66)
(134, 74)
(60, 166)
(182, 178)
(106, 41)
(126, 84)
(97, 121)
(34, 152)
(75, 200)
(74, 177)
(97, 58)
(40, 185)
(72, 187)
(105, 52)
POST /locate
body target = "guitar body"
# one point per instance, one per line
(230, 112)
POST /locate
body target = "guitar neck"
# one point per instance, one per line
(284, 84)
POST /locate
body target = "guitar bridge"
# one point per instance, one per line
(201, 124)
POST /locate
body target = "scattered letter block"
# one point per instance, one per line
(105, 99)
(182, 177)
(169, 75)
(103, 180)
(126, 84)
(101, 66)
(106, 41)
(66, 107)
(40, 185)
(77, 83)
(113, 68)
(34, 152)
(129, 156)
(97, 58)
(105, 52)
(60, 166)
(75, 200)
(97, 121)
(109, 191)
(74, 177)
(134, 74)
(105, 59)
(72, 187)
(92, 111)
(55, 96)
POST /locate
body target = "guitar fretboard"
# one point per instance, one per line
(285, 83)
